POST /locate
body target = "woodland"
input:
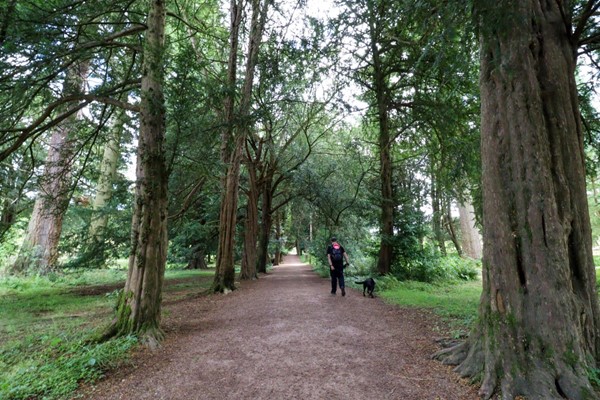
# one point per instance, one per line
(217, 135)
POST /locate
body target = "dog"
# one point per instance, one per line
(368, 286)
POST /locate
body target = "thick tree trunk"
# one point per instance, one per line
(471, 239)
(538, 330)
(108, 172)
(138, 308)
(198, 259)
(39, 251)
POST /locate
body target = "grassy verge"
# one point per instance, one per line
(456, 303)
(46, 324)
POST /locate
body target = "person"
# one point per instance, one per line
(335, 256)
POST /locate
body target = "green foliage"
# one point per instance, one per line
(60, 363)
(593, 375)
(47, 325)
(457, 303)
(428, 266)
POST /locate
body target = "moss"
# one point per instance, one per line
(570, 357)
(511, 320)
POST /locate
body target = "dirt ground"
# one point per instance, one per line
(284, 336)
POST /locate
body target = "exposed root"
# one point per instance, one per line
(452, 355)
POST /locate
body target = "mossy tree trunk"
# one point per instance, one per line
(138, 309)
(537, 335)
(39, 251)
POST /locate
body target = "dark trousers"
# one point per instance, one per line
(336, 275)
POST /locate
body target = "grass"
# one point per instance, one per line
(46, 325)
(456, 303)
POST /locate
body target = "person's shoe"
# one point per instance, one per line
(333, 293)
(343, 292)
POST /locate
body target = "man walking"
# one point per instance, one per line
(336, 255)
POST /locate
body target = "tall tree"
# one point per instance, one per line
(537, 334)
(39, 251)
(138, 308)
(108, 171)
(234, 139)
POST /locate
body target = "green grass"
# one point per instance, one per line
(456, 303)
(46, 325)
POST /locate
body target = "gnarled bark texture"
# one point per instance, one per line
(538, 330)
(138, 308)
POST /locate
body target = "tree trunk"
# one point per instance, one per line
(265, 226)
(538, 330)
(384, 262)
(138, 308)
(198, 259)
(436, 217)
(225, 271)
(249, 259)
(39, 251)
(277, 257)
(451, 230)
(471, 240)
(108, 172)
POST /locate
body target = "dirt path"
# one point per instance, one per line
(285, 337)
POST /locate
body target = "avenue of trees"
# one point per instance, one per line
(199, 132)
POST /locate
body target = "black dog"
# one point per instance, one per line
(368, 286)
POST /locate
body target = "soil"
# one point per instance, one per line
(284, 336)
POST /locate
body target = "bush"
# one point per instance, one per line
(427, 266)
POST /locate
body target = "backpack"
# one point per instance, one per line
(336, 252)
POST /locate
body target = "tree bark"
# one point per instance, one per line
(39, 251)
(436, 217)
(225, 271)
(266, 223)
(108, 172)
(384, 261)
(471, 239)
(138, 308)
(198, 259)
(249, 259)
(538, 330)
(451, 230)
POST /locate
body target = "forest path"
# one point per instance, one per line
(284, 336)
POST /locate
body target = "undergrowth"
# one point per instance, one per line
(47, 325)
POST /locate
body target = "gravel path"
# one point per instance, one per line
(285, 337)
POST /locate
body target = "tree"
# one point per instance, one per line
(234, 138)
(39, 251)
(537, 334)
(138, 307)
